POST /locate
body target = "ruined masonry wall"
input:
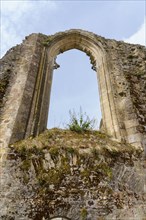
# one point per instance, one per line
(101, 179)
(26, 77)
(78, 176)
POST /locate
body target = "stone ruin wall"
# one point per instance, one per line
(124, 96)
(22, 68)
(79, 183)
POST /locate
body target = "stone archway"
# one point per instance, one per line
(26, 110)
(84, 42)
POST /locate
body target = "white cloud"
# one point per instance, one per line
(139, 37)
(12, 6)
(21, 6)
(17, 20)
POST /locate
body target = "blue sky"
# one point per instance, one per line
(74, 83)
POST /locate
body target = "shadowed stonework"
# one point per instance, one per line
(32, 186)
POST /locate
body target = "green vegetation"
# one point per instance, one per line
(95, 153)
(84, 213)
(138, 73)
(80, 122)
(64, 164)
(54, 152)
(71, 150)
(56, 155)
(47, 41)
(52, 176)
(104, 169)
(4, 82)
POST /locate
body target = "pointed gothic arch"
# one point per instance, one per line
(74, 87)
(86, 43)
(27, 104)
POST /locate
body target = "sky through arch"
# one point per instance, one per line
(74, 85)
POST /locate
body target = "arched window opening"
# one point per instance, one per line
(74, 86)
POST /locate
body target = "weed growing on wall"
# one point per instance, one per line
(80, 122)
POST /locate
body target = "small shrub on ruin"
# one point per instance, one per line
(80, 122)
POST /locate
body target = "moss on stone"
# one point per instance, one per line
(4, 82)
(47, 40)
(67, 166)
(84, 213)
(54, 152)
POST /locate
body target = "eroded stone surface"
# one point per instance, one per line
(54, 175)
(39, 182)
